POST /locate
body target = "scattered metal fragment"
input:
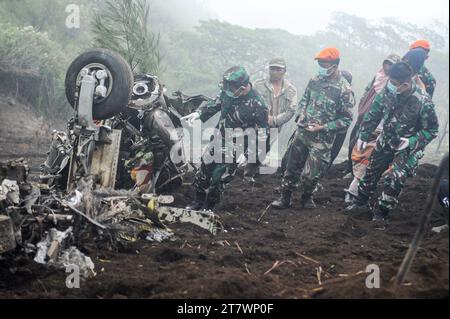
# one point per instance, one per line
(7, 239)
(440, 229)
(205, 219)
(49, 248)
(47, 222)
(9, 190)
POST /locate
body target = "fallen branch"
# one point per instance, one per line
(342, 278)
(308, 258)
(275, 266)
(248, 270)
(264, 212)
(238, 247)
(319, 275)
(278, 264)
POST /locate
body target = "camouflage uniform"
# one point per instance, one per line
(327, 102)
(411, 117)
(428, 80)
(249, 111)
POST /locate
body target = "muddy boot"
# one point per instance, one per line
(250, 173)
(284, 201)
(251, 169)
(211, 201)
(278, 190)
(308, 202)
(198, 203)
(380, 215)
(380, 219)
(360, 203)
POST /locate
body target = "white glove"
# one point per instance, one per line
(360, 145)
(445, 202)
(403, 145)
(241, 161)
(191, 118)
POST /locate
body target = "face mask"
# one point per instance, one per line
(391, 88)
(230, 94)
(235, 94)
(322, 71)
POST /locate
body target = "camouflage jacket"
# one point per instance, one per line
(282, 107)
(428, 79)
(329, 103)
(412, 116)
(249, 111)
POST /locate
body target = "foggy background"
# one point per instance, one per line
(307, 17)
(189, 44)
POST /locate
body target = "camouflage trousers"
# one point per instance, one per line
(305, 166)
(398, 167)
(213, 177)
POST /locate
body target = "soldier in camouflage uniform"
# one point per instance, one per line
(409, 125)
(241, 107)
(424, 74)
(324, 110)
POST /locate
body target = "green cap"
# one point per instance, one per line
(234, 79)
(236, 74)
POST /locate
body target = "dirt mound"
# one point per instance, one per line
(22, 132)
(294, 253)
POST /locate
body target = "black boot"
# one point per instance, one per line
(380, 218)
(278, 190)
(360, 203)
(250, 172)
(308, 202)
(198, 203)
(284, 201)
(211, 201)
(380, 215)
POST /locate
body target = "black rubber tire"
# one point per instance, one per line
(121, 73)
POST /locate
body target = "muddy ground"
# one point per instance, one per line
(236, 263)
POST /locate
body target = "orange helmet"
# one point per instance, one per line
(424, 44)
(328, 55)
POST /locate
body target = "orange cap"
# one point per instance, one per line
(424, 44)
(328, 55)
